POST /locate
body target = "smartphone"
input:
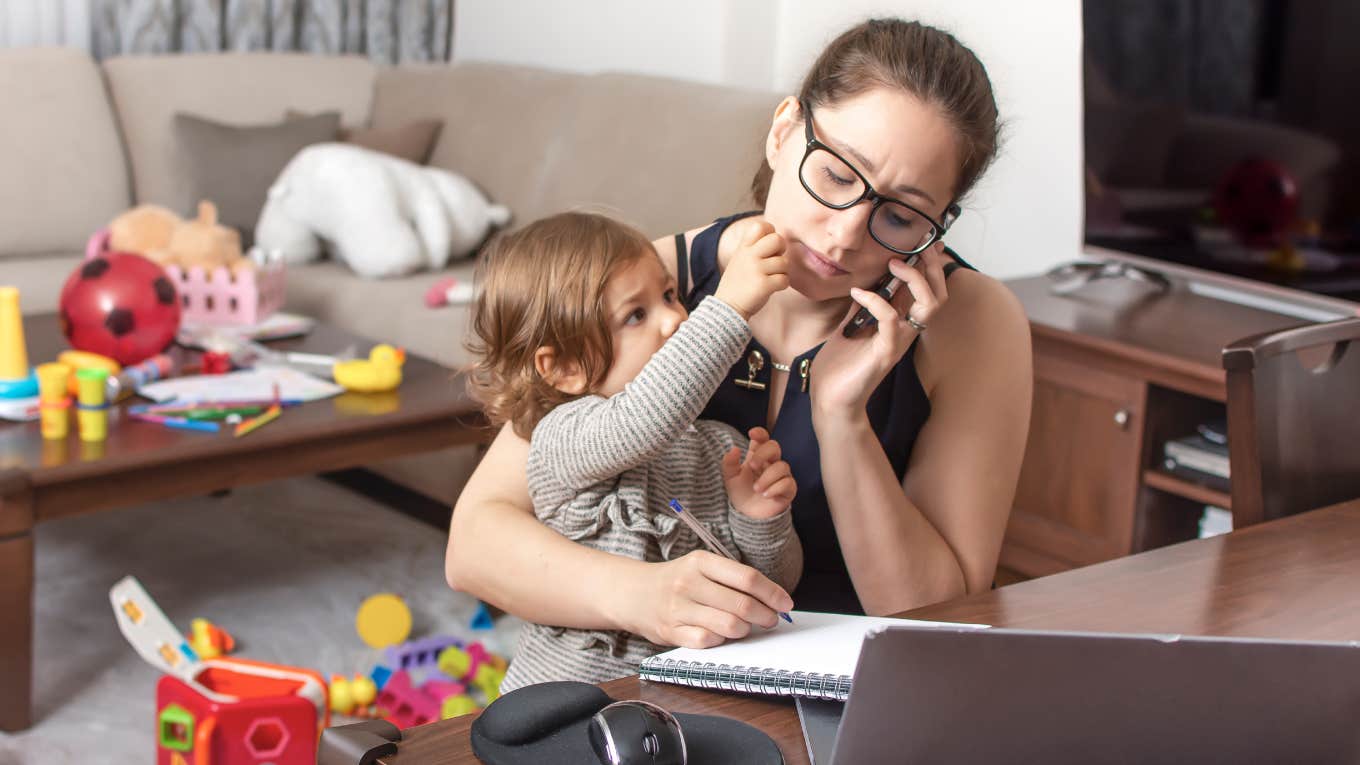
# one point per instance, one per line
(885, 288)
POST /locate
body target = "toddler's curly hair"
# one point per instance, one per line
(544, 286)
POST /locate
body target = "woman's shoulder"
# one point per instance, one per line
(982, 325)
(732, 231)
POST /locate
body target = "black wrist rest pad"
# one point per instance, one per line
(546, 723)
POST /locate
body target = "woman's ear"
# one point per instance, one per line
(787, 116)
(564, 375)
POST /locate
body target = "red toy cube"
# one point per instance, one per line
(252, 713)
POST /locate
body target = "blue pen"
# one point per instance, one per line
(710, 541)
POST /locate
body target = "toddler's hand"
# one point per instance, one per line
(757, 270)
(762, 485)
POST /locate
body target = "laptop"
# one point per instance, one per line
(944, 694)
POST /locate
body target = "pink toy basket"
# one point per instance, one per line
(218, 296)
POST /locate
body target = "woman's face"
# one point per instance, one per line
(905, 148)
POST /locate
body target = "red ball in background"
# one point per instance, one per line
(120, 305)
(1257, 200)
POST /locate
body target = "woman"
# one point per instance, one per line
(905, 438)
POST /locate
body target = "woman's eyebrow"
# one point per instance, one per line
(869, 167)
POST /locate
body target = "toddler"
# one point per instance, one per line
(585, 348)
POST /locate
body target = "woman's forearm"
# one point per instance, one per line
(504, 556)
(897, 559)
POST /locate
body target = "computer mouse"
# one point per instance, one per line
(636, 733)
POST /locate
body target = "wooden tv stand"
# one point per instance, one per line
(1119, 369)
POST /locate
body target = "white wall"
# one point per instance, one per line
(45, 22)
(1023, 217)
(714, 41)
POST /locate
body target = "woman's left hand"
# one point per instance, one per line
(848, 369)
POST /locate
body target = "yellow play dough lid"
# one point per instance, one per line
(383, 620)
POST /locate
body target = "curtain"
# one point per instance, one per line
(45, 22)
(387, 31)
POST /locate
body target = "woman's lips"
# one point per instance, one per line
(820, 265)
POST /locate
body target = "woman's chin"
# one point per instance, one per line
(818, 288)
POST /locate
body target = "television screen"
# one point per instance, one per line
(1225, 135)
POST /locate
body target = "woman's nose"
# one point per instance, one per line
(848, 227)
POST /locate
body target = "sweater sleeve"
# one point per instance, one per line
(592, 439)
(770, 546)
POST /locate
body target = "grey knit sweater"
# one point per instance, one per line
(602, 470)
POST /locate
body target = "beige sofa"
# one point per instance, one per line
(81, 141)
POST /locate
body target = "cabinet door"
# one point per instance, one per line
(1075, 503)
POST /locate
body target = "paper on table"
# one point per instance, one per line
(815, 642)
(247, 385)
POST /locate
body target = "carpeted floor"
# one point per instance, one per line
(282, 566)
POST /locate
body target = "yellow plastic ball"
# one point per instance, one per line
(364, 690)
(383, 620)
(342, 698)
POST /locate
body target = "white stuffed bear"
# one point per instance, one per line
(382, 215)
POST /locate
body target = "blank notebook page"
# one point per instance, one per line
(815, 642)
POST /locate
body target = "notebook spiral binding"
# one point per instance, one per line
(813, 685)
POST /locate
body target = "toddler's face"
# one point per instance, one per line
(642, 310)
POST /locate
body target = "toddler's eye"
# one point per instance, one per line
(636, 316)
(669, 295)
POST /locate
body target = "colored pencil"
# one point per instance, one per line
(179, 423)
(255, 423)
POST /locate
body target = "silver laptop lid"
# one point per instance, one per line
(1000, 695)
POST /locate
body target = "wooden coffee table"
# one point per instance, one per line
(139, 462)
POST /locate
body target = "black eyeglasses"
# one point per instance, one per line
(836, 183)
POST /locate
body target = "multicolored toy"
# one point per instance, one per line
(221, 711)
(16, 379)
(120, 305)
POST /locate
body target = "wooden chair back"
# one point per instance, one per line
(1293, 420)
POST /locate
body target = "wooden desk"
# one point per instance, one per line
(1292, 578)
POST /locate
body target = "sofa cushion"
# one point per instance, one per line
(234, 165)
(486, 136)
(662, 154)
(39, 279)
(388, 310)
(63, 169)
(238, 88)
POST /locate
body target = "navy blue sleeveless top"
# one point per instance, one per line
(897, 410)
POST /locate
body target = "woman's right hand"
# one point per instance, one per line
(702, 599)
(757, 270)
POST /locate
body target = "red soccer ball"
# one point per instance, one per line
(120, 305)
(1257, 200)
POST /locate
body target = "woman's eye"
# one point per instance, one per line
(901, 221)
(836, 179)
(635, 317)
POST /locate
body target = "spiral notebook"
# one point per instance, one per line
(813, 657)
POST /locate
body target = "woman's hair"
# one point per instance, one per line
(544, 286)
(924, 61)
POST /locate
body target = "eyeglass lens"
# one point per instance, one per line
(835, 184)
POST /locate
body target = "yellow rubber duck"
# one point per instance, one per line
(381, 371)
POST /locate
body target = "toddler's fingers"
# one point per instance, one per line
(784, 490)
(731, 463)
(772, 475)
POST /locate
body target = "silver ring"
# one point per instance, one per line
(916, 325)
